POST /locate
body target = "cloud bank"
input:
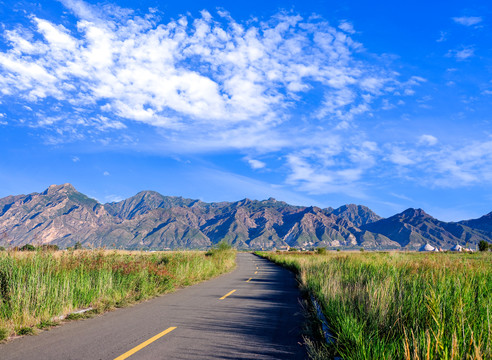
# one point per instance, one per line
(297, 86)
(212, 72)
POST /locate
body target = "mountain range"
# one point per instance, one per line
(63, 216)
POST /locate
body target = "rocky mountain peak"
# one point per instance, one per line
(357, 214)
(59, 189)
(412, 213)
(312, 209)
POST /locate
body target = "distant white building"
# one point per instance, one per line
(457, 247)
(428, 247)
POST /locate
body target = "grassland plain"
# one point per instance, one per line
(37, 287)
(395, 305)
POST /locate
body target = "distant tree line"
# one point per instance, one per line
(29, 247)
(45, 247)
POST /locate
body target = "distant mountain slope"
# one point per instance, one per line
(414, 227)
(484, 223)
(62, 215)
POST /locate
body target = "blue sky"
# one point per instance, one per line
(311, 102)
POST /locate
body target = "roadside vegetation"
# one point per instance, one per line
(394, 305)
(39, 287)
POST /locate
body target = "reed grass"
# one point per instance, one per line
(37, 287)
(394, 305)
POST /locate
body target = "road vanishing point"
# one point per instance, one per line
(253, 312)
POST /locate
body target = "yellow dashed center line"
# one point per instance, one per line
(248, 280)
(144, 344)
(226, 295)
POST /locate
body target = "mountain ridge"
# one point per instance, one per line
(61, 215)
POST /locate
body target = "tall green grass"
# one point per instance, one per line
(36, 287)
(396, 305)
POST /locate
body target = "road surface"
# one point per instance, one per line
(251, 313)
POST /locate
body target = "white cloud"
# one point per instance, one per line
(231, 185)
(190, 73)
(256, 164)
(113, 198)
(324, 171)
(75, 159)
(401, 157)
(337, 168)
(468, 20)
(347, 27)
(442, 37)
(106, 173)
(208, 84)
(461, 55)
(445, 165)
(464, 54)
(427, 140)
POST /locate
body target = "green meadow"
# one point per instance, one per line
(36, 288)
(396, 305)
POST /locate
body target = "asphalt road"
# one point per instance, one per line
(261, 319)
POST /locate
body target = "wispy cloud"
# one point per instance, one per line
(347, 27)
(432, 164)
(113, 198)
(426, 139)
(468, 20)
(213, 83)
(256, 164)
(442, 37)
(338, 167)
(462, 54)
(211, 72)
(445, 166)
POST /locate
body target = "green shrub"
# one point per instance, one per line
(321, 251)
(4, 333)
(27, 247)
(46, 324)
(50, 247)
(25, 331)
(74, 316)
(220, 247)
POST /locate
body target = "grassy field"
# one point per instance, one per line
(394, 305)
(37, 286)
